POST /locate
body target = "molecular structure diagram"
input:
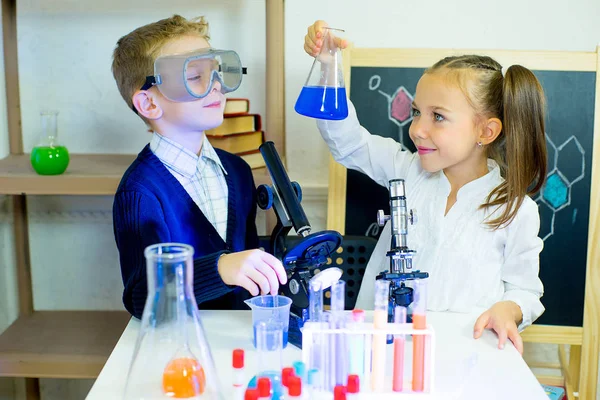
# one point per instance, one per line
(556, 193)
(555, 196)
(399, 106)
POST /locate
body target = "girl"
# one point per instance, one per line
(481, 152)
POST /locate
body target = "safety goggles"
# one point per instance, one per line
(192, 75)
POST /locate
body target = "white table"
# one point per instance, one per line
(497, 374)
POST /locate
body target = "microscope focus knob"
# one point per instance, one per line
(413, 217)
(382, 218)
(264, 197)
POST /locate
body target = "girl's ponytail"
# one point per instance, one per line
(523, 142)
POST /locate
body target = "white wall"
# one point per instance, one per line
(65, 50)
(65, 60)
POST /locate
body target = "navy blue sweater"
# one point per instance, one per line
(151, 207)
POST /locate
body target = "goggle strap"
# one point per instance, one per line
(150, 81)
(244, 70)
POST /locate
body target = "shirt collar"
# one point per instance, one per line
(484, 184)
(181, 159)
(208, 151)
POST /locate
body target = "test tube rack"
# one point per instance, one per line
(318, 349)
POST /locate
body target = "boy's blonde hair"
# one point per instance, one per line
(134, 56)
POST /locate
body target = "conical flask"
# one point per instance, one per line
(49, 157)
(324, 93)
(171, 359)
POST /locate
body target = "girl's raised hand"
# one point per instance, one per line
(314, 39)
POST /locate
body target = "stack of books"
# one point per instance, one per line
(240, 133)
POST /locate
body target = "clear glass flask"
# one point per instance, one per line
(171, 357)
(324, 93)
(49, 157)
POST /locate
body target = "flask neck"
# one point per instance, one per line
(49, 135)
(170, 293)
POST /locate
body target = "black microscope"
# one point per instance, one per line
(302, 254)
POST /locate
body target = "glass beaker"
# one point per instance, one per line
(171, 358)
(324, 93)
(49, 157)
(268, 307)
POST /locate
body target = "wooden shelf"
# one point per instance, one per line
(67, 344)
(88, 174)
(60, 344)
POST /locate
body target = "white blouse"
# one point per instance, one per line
(470, 266)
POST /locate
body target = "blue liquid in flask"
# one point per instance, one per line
(322, 102)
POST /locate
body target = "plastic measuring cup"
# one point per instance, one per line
(265, 308)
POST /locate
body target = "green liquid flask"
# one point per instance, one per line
(49, 157)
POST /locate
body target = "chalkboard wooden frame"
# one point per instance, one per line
(580, 372)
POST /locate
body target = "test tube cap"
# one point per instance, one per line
(238, 358)
(264, 386)
(299, 368)
(339, 392)
(358, 315)
(295, 386)
(251, 394)
(285, 375)
(353, 384)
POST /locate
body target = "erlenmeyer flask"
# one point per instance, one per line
(49, 157)
(324, 93)
(171, 357)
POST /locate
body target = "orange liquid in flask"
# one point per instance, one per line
(184, 378)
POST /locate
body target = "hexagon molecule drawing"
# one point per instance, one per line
(399, 106)
(556, 193)
(554, 196)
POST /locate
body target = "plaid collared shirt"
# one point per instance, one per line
(203, 177)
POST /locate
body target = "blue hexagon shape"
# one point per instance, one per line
(556, 191)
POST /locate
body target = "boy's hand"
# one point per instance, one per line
(502, 317)
(254, 270)
(314, 39)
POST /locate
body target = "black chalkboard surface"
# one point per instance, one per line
(381, 96)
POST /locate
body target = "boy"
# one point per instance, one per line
(181, 189)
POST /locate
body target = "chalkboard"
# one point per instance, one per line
(382, 97)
